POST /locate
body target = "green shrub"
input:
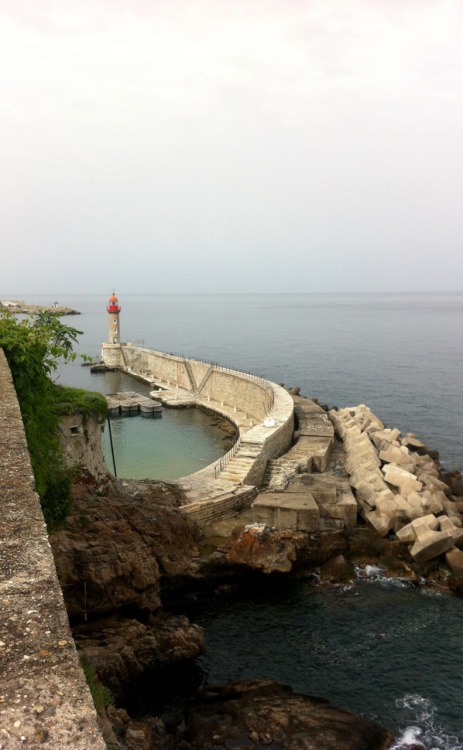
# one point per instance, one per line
(101, 695)
(33, 346)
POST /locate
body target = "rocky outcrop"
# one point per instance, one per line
(116, 547)
(265, 714)
(259, 714)
(123, 651)
(268, 550)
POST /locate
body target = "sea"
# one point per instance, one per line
(383, 648)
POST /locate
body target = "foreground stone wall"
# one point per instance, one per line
(44, 698)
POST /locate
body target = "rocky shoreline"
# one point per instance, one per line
(126, 552)
(127, 556)
(21, 307)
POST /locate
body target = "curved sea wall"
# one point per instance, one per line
(262, 411)
(45, 698)
(247, 393)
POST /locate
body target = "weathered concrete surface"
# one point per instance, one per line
(395, 479)
(44, 698)
(284, 510)
(298, 475)
(82, 444)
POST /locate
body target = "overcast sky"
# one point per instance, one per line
(231, 145)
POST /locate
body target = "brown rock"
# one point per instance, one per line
(282, 551)
(454, 560)
(261, 713)
(337, 570)
(265, 549)
(114, 548)
(454, 480)
(365, 544)
(123, 650)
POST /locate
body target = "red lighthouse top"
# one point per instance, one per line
(113, 304)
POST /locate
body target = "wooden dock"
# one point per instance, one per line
(130, 402)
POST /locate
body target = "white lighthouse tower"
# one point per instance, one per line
(111, 352)
(114, 327)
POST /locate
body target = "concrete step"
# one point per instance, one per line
(236, 478)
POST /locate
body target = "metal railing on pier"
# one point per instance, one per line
(226, 458)
(142, 364)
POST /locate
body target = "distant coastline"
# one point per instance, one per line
(19, 306)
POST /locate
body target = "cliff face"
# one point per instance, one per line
(116, 546)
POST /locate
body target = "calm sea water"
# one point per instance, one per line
(380, 648)
(401, 354)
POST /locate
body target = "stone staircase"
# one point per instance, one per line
(209, 500)
(241, 463)
(307, 488)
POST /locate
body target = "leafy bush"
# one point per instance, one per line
(33, 346)
(73, 400)
(101, 695)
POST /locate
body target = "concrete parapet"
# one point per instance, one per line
(44, 698)
(297, 510)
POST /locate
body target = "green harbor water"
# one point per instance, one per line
(167, 445)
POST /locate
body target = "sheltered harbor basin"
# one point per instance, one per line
(262, 412)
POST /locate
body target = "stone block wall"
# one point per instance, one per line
(213, 510)
(112, 355)
(236, 389)
(38, 657)
(82, 443)
(250, 395)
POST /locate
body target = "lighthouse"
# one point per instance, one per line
(114, 328)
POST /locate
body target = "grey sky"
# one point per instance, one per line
(231, 145)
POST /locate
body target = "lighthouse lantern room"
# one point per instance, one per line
(113, 320)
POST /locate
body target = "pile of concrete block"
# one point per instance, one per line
(397, 485)
(315, 435)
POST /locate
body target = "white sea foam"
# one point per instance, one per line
(371, 572)
(425, 728)
(408, 737)
(375, 573)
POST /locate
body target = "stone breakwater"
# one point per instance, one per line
(18, 306)
(398, 489)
